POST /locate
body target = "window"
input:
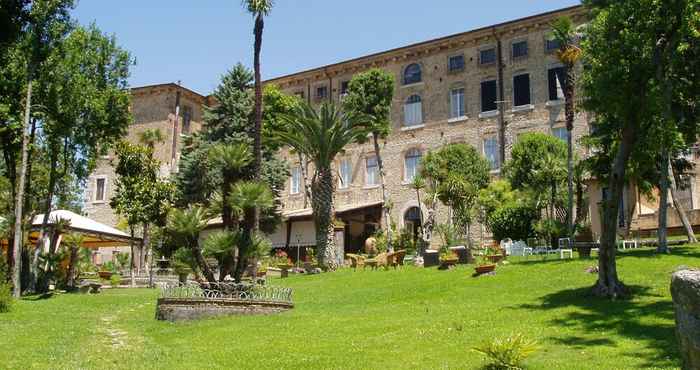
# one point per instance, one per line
(551, 45)
(372, 171)
(100, 189)
(487, 56)
(411, 164)
(488, 96)
(519, 49)
(321, 92)
(561, 133)
(413, 111)
(186, 119)
(299, 94)
(344, 88)
(521, 90)
(557, 81)
(456, 63)
(457, 103)
(345, 178)
(412, 74)
(295, 183)
(491, 152)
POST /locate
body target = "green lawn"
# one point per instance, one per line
(411, 318)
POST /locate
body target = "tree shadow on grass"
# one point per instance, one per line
(684, 251)
(635, 319)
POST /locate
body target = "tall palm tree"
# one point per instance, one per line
(569, 53)
(321, 135)
(185, 225)
(259, 9)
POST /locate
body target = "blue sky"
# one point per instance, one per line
(197, 41)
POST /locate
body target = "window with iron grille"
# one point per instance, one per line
(456, 63)
(412, 74)
(520, 49)
(487, 56)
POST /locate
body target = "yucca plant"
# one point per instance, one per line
(320, 135)
(507, 353)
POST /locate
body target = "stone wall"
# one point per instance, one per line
(685, 289)
(183, 309)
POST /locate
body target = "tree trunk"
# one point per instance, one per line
(385, 196)
(679, 207)
(131, 257)
(34, 263)
(19, 200)
(322, 204)
(305, 178)
(608, 284)
(569, 113)
(247, 229)
(145, 245)
(203, 265)
(257, 126)
(71, 266)
(420, 238)
(663, 204)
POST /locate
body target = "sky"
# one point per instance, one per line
(196, 42)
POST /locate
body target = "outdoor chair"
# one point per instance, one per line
(379, 260)
(519, 248)
(395, 258)
(356, 260)
(565, 248)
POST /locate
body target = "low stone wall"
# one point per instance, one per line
(685, 289)
(180, 309)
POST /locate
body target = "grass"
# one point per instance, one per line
(411, 318)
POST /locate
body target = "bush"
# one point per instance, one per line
(508, 353)
(5, 296)
(514, 221)
(115, 280)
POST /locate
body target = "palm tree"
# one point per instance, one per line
(230, 159)
(151, 137)
(320, 136)
(568, 54)
(185, 226)
(247, 197)
(75, 242)
(259, 9)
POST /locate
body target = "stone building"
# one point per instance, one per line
(448, 90)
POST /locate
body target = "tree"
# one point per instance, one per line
(459, 172)
(151, 137)
(75, 242)
(320, 135)
(259, 9)
(538, 166)
(370, 94)
(568, 54)
(629, 49)
(48, 22)
(140, 196)
(185, 227)
(506, 212)
(81, 87)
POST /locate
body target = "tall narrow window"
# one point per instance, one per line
(521, 90)
(550, 45)
(412, 74)
(372, 171)
(413, 111)
(557, 82)
(345, 173)
(519, 49)
(295, 181)
(457, 103)
(487, 56)
(100, 187)
(491, 152)
(488, 96)
(186, 119)
(321, 92)
(344, 88)
(411, 164)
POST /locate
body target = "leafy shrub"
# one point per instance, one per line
(115, 280)
(514, 221)
(508, 353)
(109, 266)
(5, 296)
(449, 235)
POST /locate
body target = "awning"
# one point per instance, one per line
(304, 213)
(96, 234)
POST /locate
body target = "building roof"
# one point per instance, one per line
(96, 234)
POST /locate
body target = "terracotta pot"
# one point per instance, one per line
(483, 269)
(105, 274)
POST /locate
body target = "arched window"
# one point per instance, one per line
(412, 74)
(411, 164)
(413, 111)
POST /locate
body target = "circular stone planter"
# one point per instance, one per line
(182, 309)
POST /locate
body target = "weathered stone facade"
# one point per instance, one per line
(184, 309)
(685, 289)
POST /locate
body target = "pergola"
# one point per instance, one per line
(96, 235)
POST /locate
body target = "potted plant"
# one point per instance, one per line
(107, 270)
(494, 254)
(484, 266)
(448, 259)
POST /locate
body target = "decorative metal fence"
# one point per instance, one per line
(233, 291)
